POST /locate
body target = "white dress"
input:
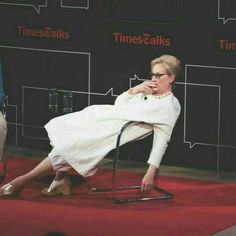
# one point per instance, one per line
(82, 139)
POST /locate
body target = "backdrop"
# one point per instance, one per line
(60, 56)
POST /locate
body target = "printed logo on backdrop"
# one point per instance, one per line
(227, 13)
(53, 33)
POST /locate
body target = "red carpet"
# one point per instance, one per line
(199, 208)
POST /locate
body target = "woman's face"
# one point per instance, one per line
(162, 78)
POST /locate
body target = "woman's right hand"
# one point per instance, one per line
(146, 87)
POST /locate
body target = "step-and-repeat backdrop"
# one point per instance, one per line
(59, 56)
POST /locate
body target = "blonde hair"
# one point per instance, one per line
(171, 63)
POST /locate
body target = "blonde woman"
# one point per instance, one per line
(82, 139)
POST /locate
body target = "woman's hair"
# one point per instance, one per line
(171, 63)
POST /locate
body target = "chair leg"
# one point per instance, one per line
(165, 194)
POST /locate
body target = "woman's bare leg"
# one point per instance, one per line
(61, 175)
(60, 185)
(43, 168)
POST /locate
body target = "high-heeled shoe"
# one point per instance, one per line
(58, 187)
(8, 190)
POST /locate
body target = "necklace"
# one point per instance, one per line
(163, 95)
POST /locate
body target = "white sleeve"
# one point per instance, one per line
(124, 97)
(160, 143)
(162, 135)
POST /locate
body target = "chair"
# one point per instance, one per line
(164, 194)
(3, 159)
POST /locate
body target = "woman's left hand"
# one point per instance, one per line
(147, 182)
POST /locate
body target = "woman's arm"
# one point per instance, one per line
(160, 143)
(146, 87)
(148, 179)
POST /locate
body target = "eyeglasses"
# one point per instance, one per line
(157, 75)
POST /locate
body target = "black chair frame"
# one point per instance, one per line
(164, 194)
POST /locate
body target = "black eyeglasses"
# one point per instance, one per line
(157, 75)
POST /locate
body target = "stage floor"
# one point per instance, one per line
(173, 171)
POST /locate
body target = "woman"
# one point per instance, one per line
(82, 139)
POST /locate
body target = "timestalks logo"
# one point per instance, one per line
(54, 33)
(227, 45)
(145, 39)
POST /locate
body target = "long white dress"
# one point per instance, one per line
(82, 139)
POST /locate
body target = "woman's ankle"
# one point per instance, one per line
(61, 175)
(19, 182)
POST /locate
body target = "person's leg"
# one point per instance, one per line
(60, 185)
(61, 175)
(3, 132)
(43, 168)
